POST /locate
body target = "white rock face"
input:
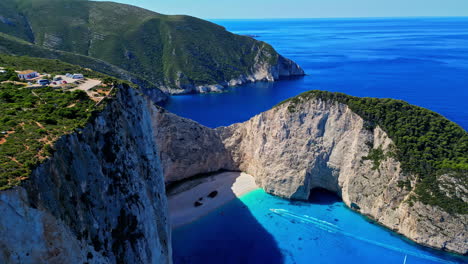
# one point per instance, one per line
(187, 148)
(31, 235)
(216, 88)
(322, 144)
(100, 198)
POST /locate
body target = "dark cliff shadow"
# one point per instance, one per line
(323, 196)
(229, 234)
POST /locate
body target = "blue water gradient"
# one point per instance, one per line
(247, 231)
(420, 60)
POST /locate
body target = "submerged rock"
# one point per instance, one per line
(213, 194)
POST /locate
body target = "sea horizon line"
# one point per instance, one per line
(338, 18)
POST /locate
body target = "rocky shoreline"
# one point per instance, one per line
(260, 72)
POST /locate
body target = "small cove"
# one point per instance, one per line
(420, 60)
(247, 231)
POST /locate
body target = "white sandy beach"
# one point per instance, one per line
(229, 185)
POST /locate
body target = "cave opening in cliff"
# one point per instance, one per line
(323, 196)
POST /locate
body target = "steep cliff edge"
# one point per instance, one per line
(311, 142)
(99, 199)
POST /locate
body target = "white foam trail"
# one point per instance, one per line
(329, 227)
(308, 219)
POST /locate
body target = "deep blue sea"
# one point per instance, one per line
(420, 60)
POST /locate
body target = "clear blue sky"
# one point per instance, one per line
(304, 8)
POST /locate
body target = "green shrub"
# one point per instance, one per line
(376, 156)
(36, 120)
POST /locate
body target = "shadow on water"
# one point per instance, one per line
(230, 234)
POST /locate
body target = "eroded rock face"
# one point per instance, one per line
(187, 148)
(292, 150)
(99, 199)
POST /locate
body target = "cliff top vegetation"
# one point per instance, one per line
(32, 119)
(165, 50)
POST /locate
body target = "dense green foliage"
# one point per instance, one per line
(49, 66)
(9, 75)
(158, 48)
(14, 24)
(15, 46)
(32, 119)
(427, 144)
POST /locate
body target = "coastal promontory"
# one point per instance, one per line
(175, 54)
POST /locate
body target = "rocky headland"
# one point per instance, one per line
(324, 144)
(261, 71)
(101, 197)
(161, 53)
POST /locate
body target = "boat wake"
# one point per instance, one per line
(312, 222)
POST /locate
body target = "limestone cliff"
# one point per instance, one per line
(99, 199)
(292, 149)
(187, 148)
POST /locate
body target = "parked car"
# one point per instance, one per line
(77, 76)
(43, 82)
(57, 79)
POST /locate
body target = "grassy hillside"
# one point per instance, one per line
(166, 50)
(13, 23)
(15, 46)
(428, 145)
(32, 119)
(50, 66)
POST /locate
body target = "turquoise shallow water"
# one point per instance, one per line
(321, 231)
(421, 60)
